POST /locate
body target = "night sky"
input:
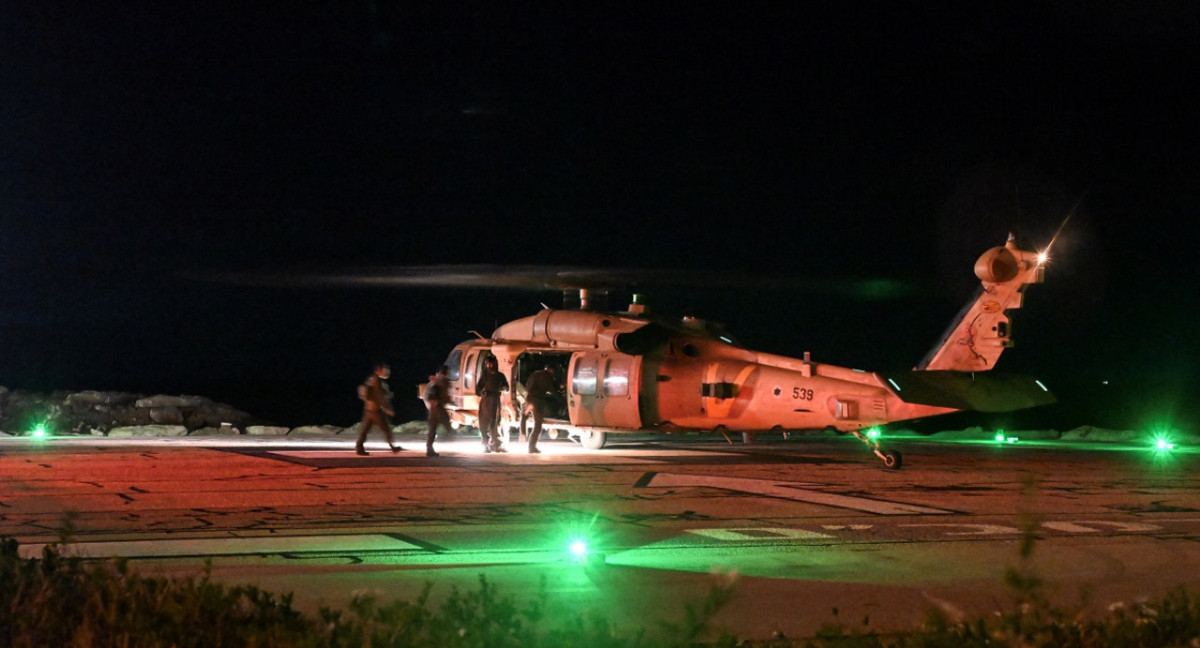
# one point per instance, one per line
(147, 144)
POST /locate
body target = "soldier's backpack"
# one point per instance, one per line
(434, 392)
(363, 389)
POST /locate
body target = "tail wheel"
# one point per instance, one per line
(892, 459)
(592, 439)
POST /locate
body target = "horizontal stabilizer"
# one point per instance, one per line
(964, 390)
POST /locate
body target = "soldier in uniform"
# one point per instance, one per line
(541, 395)
(488, 388)
(377, 407)
(437, 396)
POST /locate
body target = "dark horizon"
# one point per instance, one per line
(148, 145)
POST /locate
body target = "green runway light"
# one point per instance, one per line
(38, 431)
(1001, 437)
(578, 552)
(1162, 439)
(582, 539)
(874, 433)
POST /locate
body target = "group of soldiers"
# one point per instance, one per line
(541, 388)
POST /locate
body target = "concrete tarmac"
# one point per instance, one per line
(807, 530)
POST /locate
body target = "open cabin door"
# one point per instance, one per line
(602, 389)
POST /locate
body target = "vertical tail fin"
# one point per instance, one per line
(981, 331)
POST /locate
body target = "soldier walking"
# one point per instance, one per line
(489, 387)
(541, 395)
(377, 407)
(437, 396)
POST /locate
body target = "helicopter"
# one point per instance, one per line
(630, 371)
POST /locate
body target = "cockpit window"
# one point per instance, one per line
(483, 358)
(454, 363)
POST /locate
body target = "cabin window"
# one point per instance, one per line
(469, 377)
(718, 390)
(616, 379)
(847, 409)
(454, 364)
(484, 356)
(584, 380)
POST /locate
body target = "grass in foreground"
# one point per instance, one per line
(55, 601)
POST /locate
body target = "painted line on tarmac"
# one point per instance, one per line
(230, 546)
(787, 490)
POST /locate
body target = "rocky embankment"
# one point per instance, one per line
(122, 414)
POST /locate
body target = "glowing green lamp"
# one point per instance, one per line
(578, 550)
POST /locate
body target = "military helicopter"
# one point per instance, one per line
(630, 371)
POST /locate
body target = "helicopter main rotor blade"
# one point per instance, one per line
(535, 277)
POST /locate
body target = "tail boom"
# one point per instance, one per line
(982, 330)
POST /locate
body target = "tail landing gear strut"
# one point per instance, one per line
(891, 458)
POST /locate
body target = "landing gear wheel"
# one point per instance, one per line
(890, 458)
(591, 439)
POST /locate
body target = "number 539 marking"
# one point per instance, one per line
(800, 393)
